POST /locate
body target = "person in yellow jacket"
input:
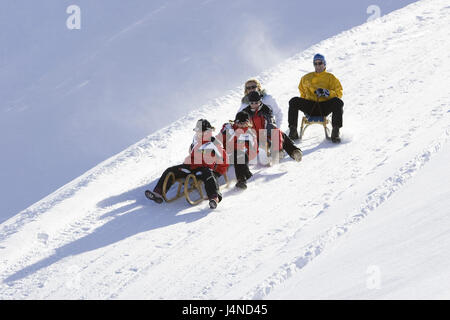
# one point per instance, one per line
(320, 95)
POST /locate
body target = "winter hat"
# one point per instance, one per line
(203, 125)
(320, 57)
(242, 117)
(254, 96)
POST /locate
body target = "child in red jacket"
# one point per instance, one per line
(263, 122)
(207, 160)
(240, 142)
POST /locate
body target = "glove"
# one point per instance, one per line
(227, 127)
(322, 92)
(244, 137)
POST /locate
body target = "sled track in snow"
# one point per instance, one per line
(374, 199)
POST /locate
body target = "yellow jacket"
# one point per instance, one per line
(325, 80)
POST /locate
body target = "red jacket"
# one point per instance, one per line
(236, 138)
(208, 153)
(262, 120)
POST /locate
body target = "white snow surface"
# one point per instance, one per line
(368, 218)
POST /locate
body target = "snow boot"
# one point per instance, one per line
(293, 134)
(213, 203)
(154, 196)
(241, 184)
(335, 135)
(297, 155)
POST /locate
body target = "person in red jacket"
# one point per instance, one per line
(240, 142)
(207, 160)
(262, 121)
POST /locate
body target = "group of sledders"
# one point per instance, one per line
(256, 125)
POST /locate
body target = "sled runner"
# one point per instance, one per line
(309, 120)
(185, 187)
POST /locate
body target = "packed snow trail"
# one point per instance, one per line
(99, 237)
(400, 252)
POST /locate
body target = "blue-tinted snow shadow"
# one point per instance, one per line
(141, 215)
(324, 144)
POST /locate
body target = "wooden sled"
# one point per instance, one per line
(309, 120)
(185, 187)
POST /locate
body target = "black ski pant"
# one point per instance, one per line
(288, 144)
(241, 168)
(204, 174)
(314, 108)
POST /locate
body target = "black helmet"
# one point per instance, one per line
(203, 125)
(242, 117)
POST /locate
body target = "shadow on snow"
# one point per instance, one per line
(142, 215)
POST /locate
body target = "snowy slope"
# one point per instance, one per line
(98, 237)
(398, 252)
(71, 98)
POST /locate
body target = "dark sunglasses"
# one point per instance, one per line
(200, 129)
(250, 87)
(255, 102)
(318, 63)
